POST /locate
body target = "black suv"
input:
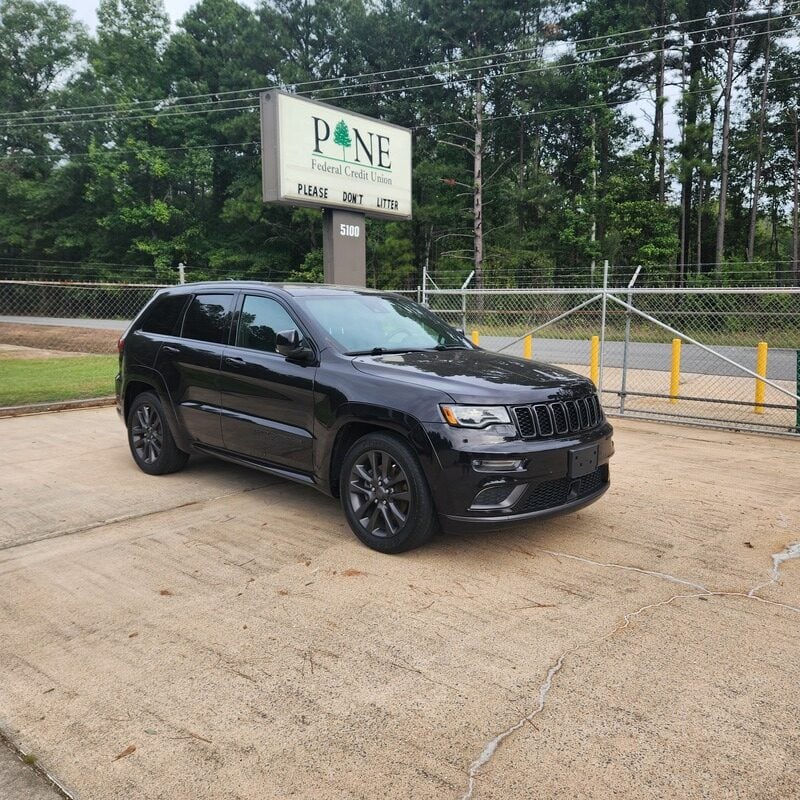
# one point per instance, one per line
(364, 395)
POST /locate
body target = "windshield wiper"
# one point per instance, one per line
(451, 347)
(381, 351)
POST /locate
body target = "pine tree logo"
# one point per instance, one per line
(341, 136)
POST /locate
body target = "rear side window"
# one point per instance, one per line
(164, 315)
(208, 318)
(260, 321)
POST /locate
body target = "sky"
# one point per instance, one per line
(86, 10)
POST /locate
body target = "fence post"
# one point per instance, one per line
(675, 372)
(628, 314)
(464, 301)
(599, 381)
(181, 272)
(761, 369)
(797, 391)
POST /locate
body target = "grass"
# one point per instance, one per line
(49, 380)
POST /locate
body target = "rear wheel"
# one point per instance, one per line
(150, 439)
(385, 496)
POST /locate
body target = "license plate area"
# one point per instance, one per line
(582, 461)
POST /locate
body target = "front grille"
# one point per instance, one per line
(551, 494)
(557, 418)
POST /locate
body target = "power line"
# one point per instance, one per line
(178, 111)
(125, 107)
(422, 126)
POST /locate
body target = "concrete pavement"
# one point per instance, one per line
(219, 634)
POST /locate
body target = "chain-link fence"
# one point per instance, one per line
(724, 357)
(676, 354)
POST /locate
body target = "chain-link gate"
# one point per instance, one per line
(720, 357)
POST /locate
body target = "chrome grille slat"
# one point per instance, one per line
(559, 417)
(572, 413)
(524, 417)
(544, 419)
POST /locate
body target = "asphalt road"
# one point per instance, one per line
(220, 635)
(782, 364)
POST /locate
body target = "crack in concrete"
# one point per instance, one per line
(789, 552)
(664, 575)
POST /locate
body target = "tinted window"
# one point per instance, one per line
(208, 318)
(361, 323)
(163, 316)
(261, 319)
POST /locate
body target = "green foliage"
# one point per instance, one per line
(568, 178)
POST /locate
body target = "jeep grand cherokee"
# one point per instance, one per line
(367, 396)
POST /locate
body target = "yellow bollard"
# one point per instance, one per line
(594, 360)
(761, 369)
(675, 376)
(527, 347)
(476, 337)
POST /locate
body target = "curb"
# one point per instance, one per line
(46, 408)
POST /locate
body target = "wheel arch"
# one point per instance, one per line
(352, 430)
(138, 383)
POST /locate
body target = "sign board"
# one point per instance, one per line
(317, 155)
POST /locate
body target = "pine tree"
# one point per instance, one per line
(341, 136)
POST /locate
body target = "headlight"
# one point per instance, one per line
(475, 416)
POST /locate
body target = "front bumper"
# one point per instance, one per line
(546, 480)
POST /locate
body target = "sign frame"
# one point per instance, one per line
(272, 167)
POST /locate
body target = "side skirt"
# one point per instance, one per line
(262, 466)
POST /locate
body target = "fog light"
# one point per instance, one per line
(497, 464)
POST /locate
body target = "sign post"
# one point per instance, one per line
(350, 166)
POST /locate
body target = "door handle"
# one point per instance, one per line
(234, 361)
(167, 348)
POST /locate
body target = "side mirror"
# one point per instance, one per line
(289, 344)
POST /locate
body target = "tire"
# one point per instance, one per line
(150, 439)
(394, 513)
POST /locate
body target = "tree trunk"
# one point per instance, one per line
(521, 179)
(477, 206)
(751, 233)
(690, 99)
(659, 161)
(699, 258)
(796, 202)
(726, 138)
(593, 234)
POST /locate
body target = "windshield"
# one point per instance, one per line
(373, 323)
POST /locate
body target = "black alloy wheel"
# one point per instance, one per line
(379, 495)
(150, 439)
(147, 434)
(385, 495)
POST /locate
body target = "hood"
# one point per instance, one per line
(478, 376)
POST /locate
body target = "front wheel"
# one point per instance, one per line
(150, 439)
(385, 496)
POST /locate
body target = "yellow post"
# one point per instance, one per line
(675, 376)
(476, 337)
(594, 360)
(761, 369)
(527, 346)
